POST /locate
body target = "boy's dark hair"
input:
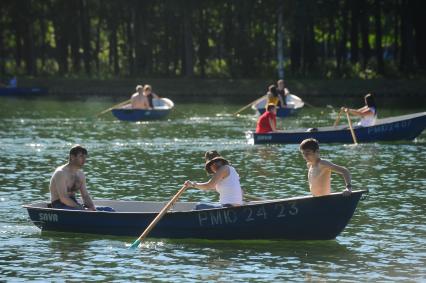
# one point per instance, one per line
(270, 106)
(76, 149)
(311, 144)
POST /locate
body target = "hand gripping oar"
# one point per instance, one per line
(112, 107)
(351, 128)
(250, 104)
(157, 218)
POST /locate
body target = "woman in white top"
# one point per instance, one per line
(368, 113)
(225, 181)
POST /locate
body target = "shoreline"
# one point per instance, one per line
(405, 92)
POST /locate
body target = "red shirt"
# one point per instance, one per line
(263, 125)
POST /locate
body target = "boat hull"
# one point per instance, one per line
(405, 127)
(22, 91)
(134, 115)
(281, 112)
(303, 218)
(162, 108)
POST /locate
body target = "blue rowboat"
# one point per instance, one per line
(294, 104)
(300, 218)
(162, 108)
(22, 91)
(405, 127)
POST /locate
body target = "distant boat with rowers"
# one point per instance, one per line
(299, 218)
(405, 127)
(162, 108)
(22, 91)
(294, 104)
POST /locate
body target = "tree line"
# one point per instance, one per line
(212, 38)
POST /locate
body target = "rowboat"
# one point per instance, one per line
(162, 108)
(405, 127)
(22, 91)
(294, 104)
(299, 218)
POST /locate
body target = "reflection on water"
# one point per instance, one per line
(151, 160)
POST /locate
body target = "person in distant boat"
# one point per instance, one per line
(225, 181)
(68, 179)
(368, 113)
(319, 170)
(267, 122)
(138, 99)
(282, 93)
(273, 97)
(147, 92)
(13, 82)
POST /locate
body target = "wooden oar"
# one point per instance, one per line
(157, 218)
(112, 107)
(351, 128)
(250, 104)
(337, 119)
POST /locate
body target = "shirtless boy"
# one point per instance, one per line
(319, 174)
(69, 179)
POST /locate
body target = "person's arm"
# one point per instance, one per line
(341, 171)
(132, 101)
(272, 123)
(364, 111)
(87, 200)
(60, 185)
(223, 172)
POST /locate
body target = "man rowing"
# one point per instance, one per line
(69, 179)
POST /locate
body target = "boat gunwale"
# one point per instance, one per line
(249, 204)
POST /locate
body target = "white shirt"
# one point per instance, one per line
(369, 120)
(229, 188)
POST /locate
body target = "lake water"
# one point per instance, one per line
(384, 241)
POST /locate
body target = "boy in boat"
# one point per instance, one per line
(68, 179)
(319, 170)
(267, 122)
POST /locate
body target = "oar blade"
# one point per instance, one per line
(135, 244)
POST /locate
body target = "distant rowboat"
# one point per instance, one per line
(300, 218)
(405, 127)
(162, 108)
(294, 104)
(6, 91)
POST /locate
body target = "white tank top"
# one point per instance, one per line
(369, 120)
(229, 188)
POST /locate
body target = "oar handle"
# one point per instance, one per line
(351, 128)
(157, 218)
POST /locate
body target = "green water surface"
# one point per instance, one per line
(385, 240)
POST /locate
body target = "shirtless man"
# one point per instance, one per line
(138, 99)
(68, 179)
(319, 174)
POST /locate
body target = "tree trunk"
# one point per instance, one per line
(407, 38)
(188, 43)
(364, 32)
(378, 26)
(85, 32)
(354, 31)
(280, 40)
(420, 31)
